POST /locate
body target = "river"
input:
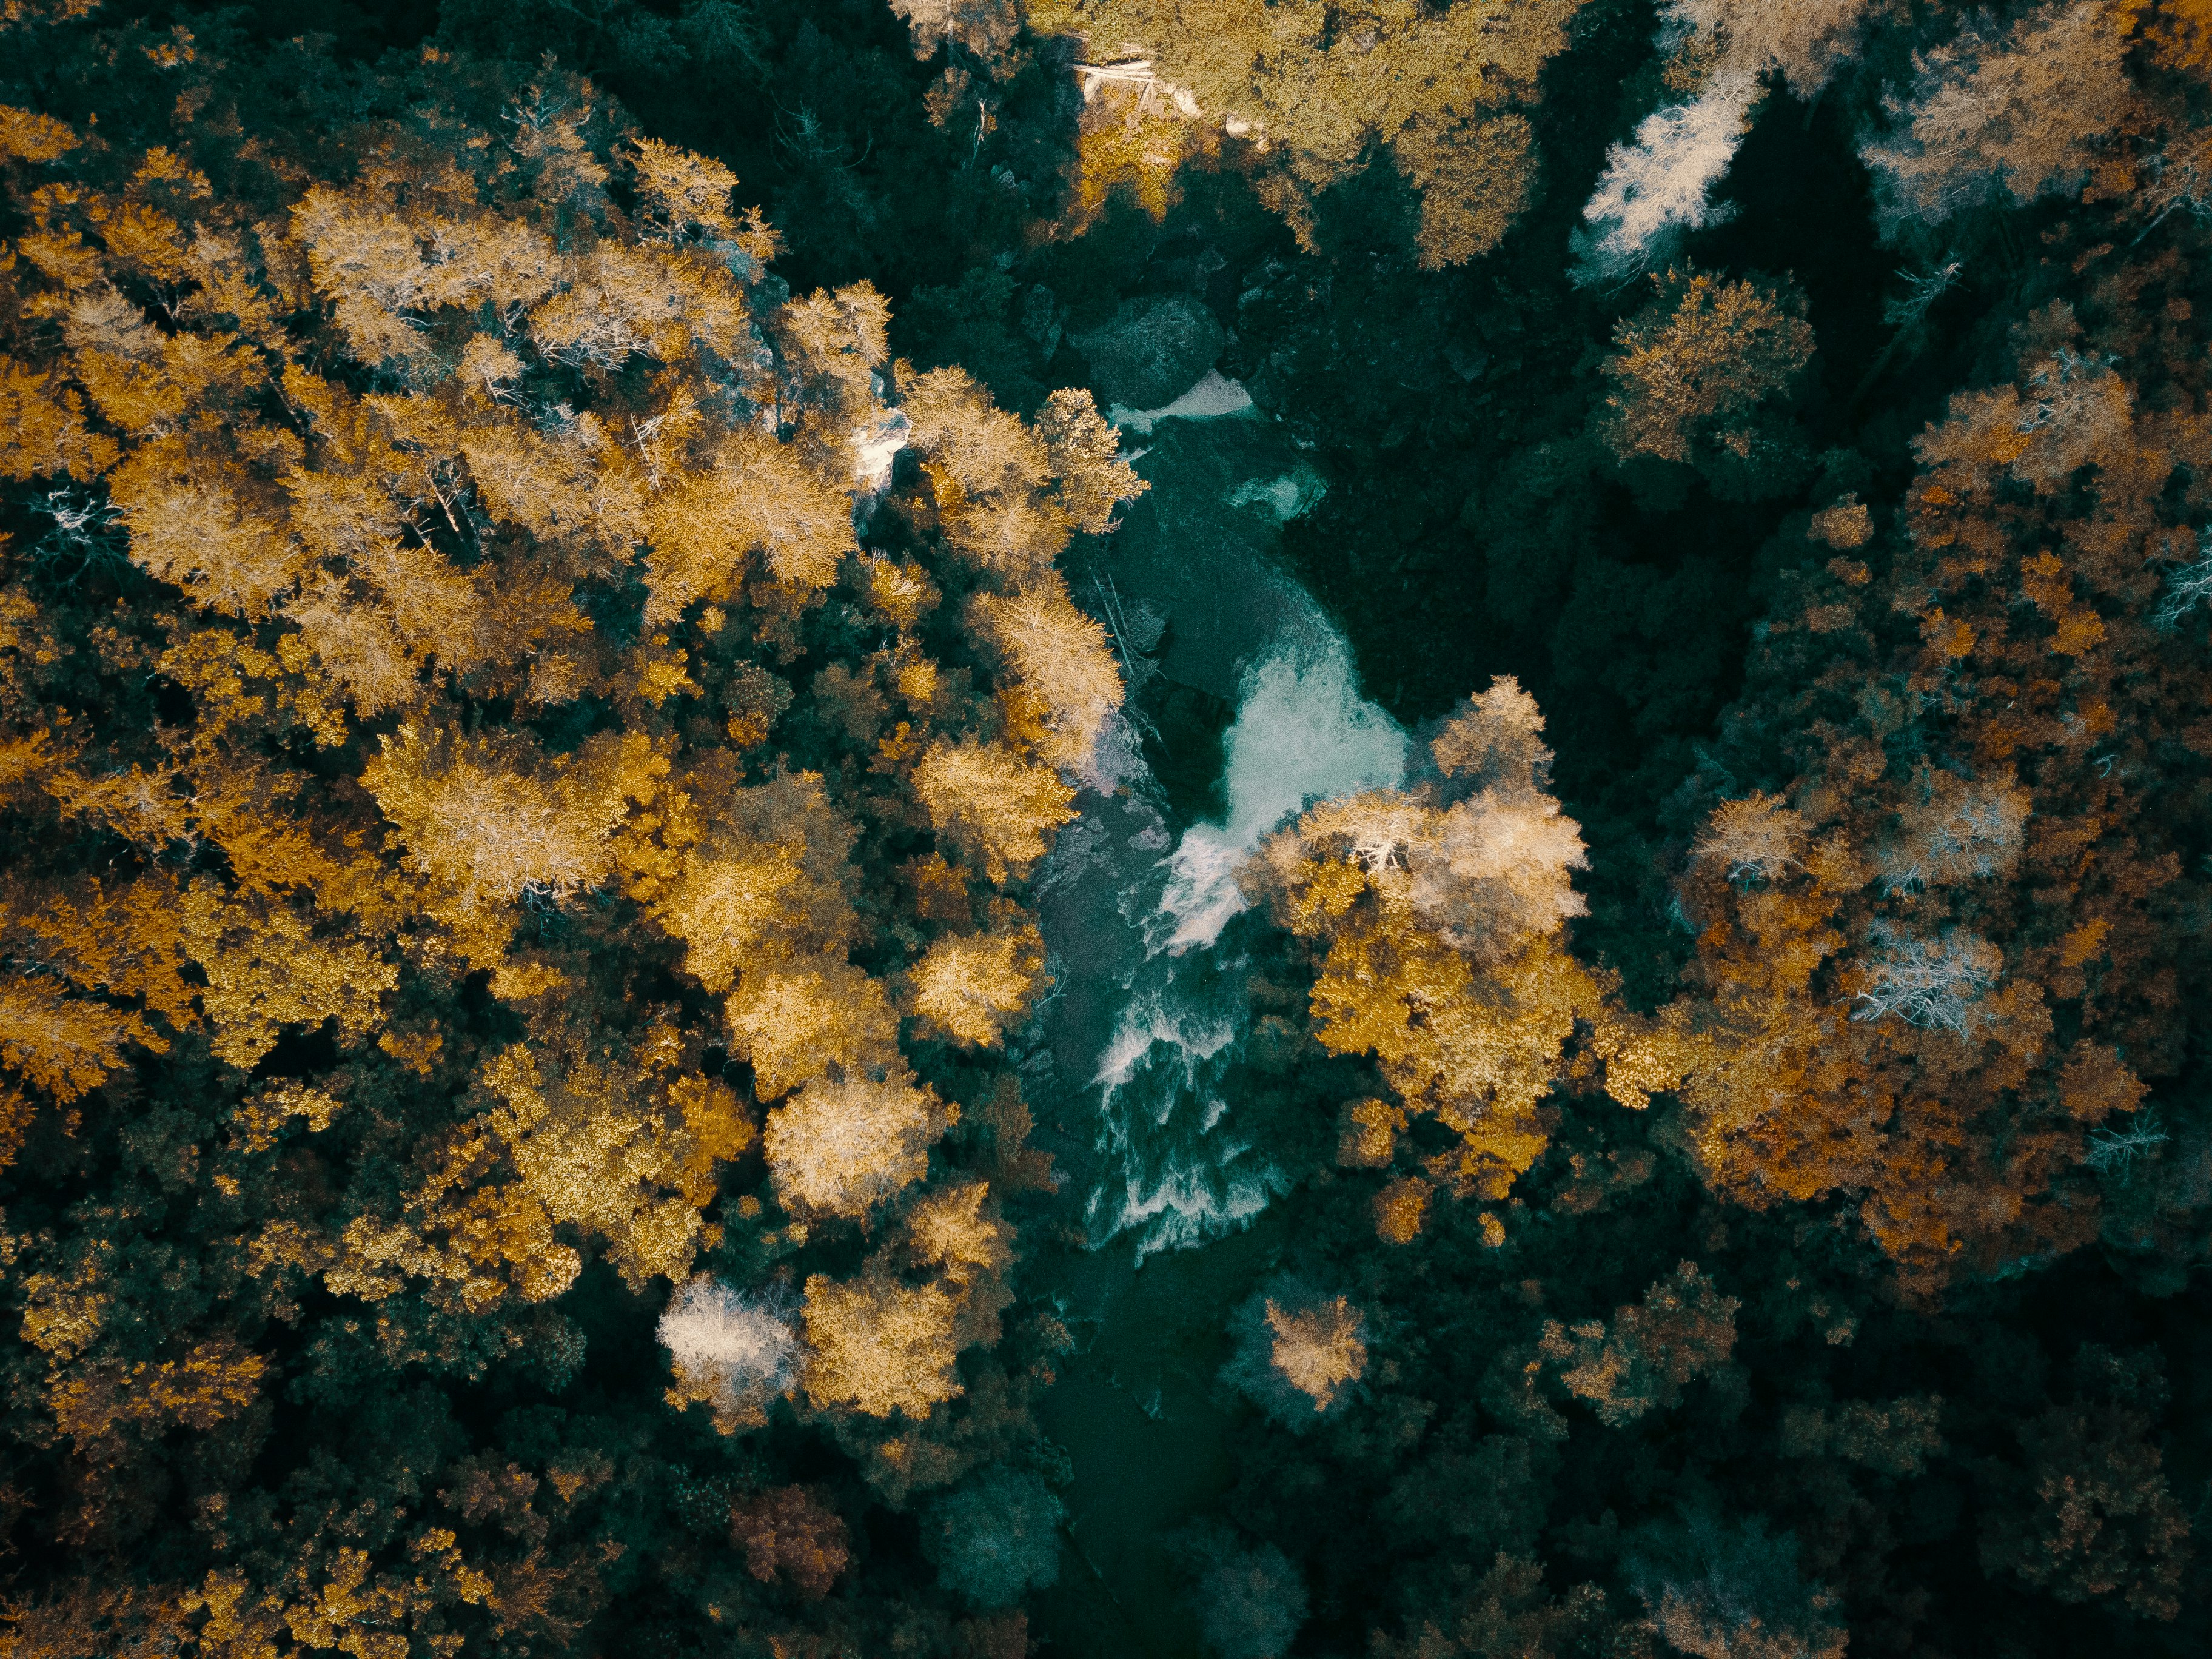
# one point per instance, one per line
(1249, 701)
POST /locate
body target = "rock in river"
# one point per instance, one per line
(1152, 349)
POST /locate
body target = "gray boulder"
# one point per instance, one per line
(1151, 350)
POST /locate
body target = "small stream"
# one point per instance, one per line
(1146, 927)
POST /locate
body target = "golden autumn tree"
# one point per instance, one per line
(1682, 1329)
(2008, 115)
(1694, 369)
(1936, 966)
(1304, 91)
(454, 826)
(1437, 913)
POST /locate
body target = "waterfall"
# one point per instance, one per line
(1303, 733)
(1150, 1004)
(1174, 1171)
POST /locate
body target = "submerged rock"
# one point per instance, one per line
(1151, 350)
(1204, 545)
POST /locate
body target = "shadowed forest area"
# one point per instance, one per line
(981, 827)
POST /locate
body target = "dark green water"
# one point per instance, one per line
(1135, 1405)
(1136, 1412)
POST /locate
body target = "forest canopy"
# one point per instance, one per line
(467, 505)
(984, 828)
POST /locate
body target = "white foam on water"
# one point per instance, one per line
(1192, 1201)
(1302, 734)
(1214, 395)
(1151, 1018)
(1176, 1171)
(1282, 499)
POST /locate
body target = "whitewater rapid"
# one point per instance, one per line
(1302, 734)
(1173, 1166)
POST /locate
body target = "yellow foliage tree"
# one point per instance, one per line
(1439, 913)
(841, 1147)
(1320, 1351)
(607, 1150)
(1310, 90)
(972, 986)
(879, 1345)
(990, 805)
(1698, 361)
(266, 968)
(797, 1020)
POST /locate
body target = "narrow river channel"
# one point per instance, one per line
(1245, 706)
